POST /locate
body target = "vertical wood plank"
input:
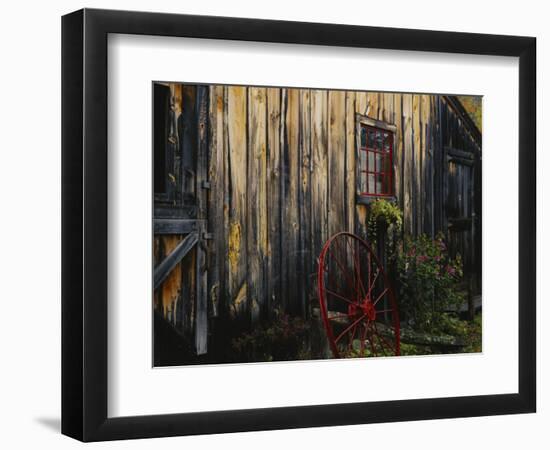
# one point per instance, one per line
(438, 161)
(237, 190)
(362, 106)
(290, 175)
(429, 172)
(350, 177)
(257, 201)
(408, 156)
(336, 160)
(361, 103)
(304, 201)
(274, 200)
(319, 170)
(201, 318)
(373, 104)
(417, 162)
(216, 247)
(398, 148)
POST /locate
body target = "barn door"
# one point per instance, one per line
(180, 147)
(460, 208)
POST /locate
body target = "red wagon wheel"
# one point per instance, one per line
(357, 302)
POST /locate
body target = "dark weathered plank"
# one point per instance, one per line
(398, 149)
(417, 164)
(362, 107)
(349, 170)
(257, 201)
(336, 160)
(319, 170)
(304, 202)
(201, 309)
(188, 142)
(425, 156)
(174, 226)
(273, 203)
(162, 271)
(290, 175)
(237, 201)
(201, 317)
(408, 158)
(216, 246)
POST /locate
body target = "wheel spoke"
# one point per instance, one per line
(380, 296)
(357, 271)
(349, 328)
(334, 294)
(350, 274)
(344, 272)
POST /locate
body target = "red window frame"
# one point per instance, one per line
(375, 161)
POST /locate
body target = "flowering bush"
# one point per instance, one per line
(428, 282)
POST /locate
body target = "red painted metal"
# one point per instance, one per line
(356, 299)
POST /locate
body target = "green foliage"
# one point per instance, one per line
(383, 213)
(472, 105)
(385, 218)
(472, 335)
(428, 283)
(284, 339)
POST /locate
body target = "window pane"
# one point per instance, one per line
(372, 138)
(380, 184)
(380, 162)
(371, 187)
(363, 160)
(379, 140)
(363, 183)
(371, 167)
(363, 137)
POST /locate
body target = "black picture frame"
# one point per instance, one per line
(84, 224)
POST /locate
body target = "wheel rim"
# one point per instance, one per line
(356, 300)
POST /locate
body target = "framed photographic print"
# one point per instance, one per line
(274, 224)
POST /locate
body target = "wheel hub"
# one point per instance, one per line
(365, 308)
(369, 310)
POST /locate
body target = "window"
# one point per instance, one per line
(375, 159)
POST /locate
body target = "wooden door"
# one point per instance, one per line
(460, 210)
(179, 223)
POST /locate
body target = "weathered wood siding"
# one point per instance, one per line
(291, 173)
(281, 164)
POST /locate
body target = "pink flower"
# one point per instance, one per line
(450, 270)
(421, 259)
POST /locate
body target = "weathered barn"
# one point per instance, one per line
(251, 181)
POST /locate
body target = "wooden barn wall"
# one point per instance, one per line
(282, 174)
(285, 161)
